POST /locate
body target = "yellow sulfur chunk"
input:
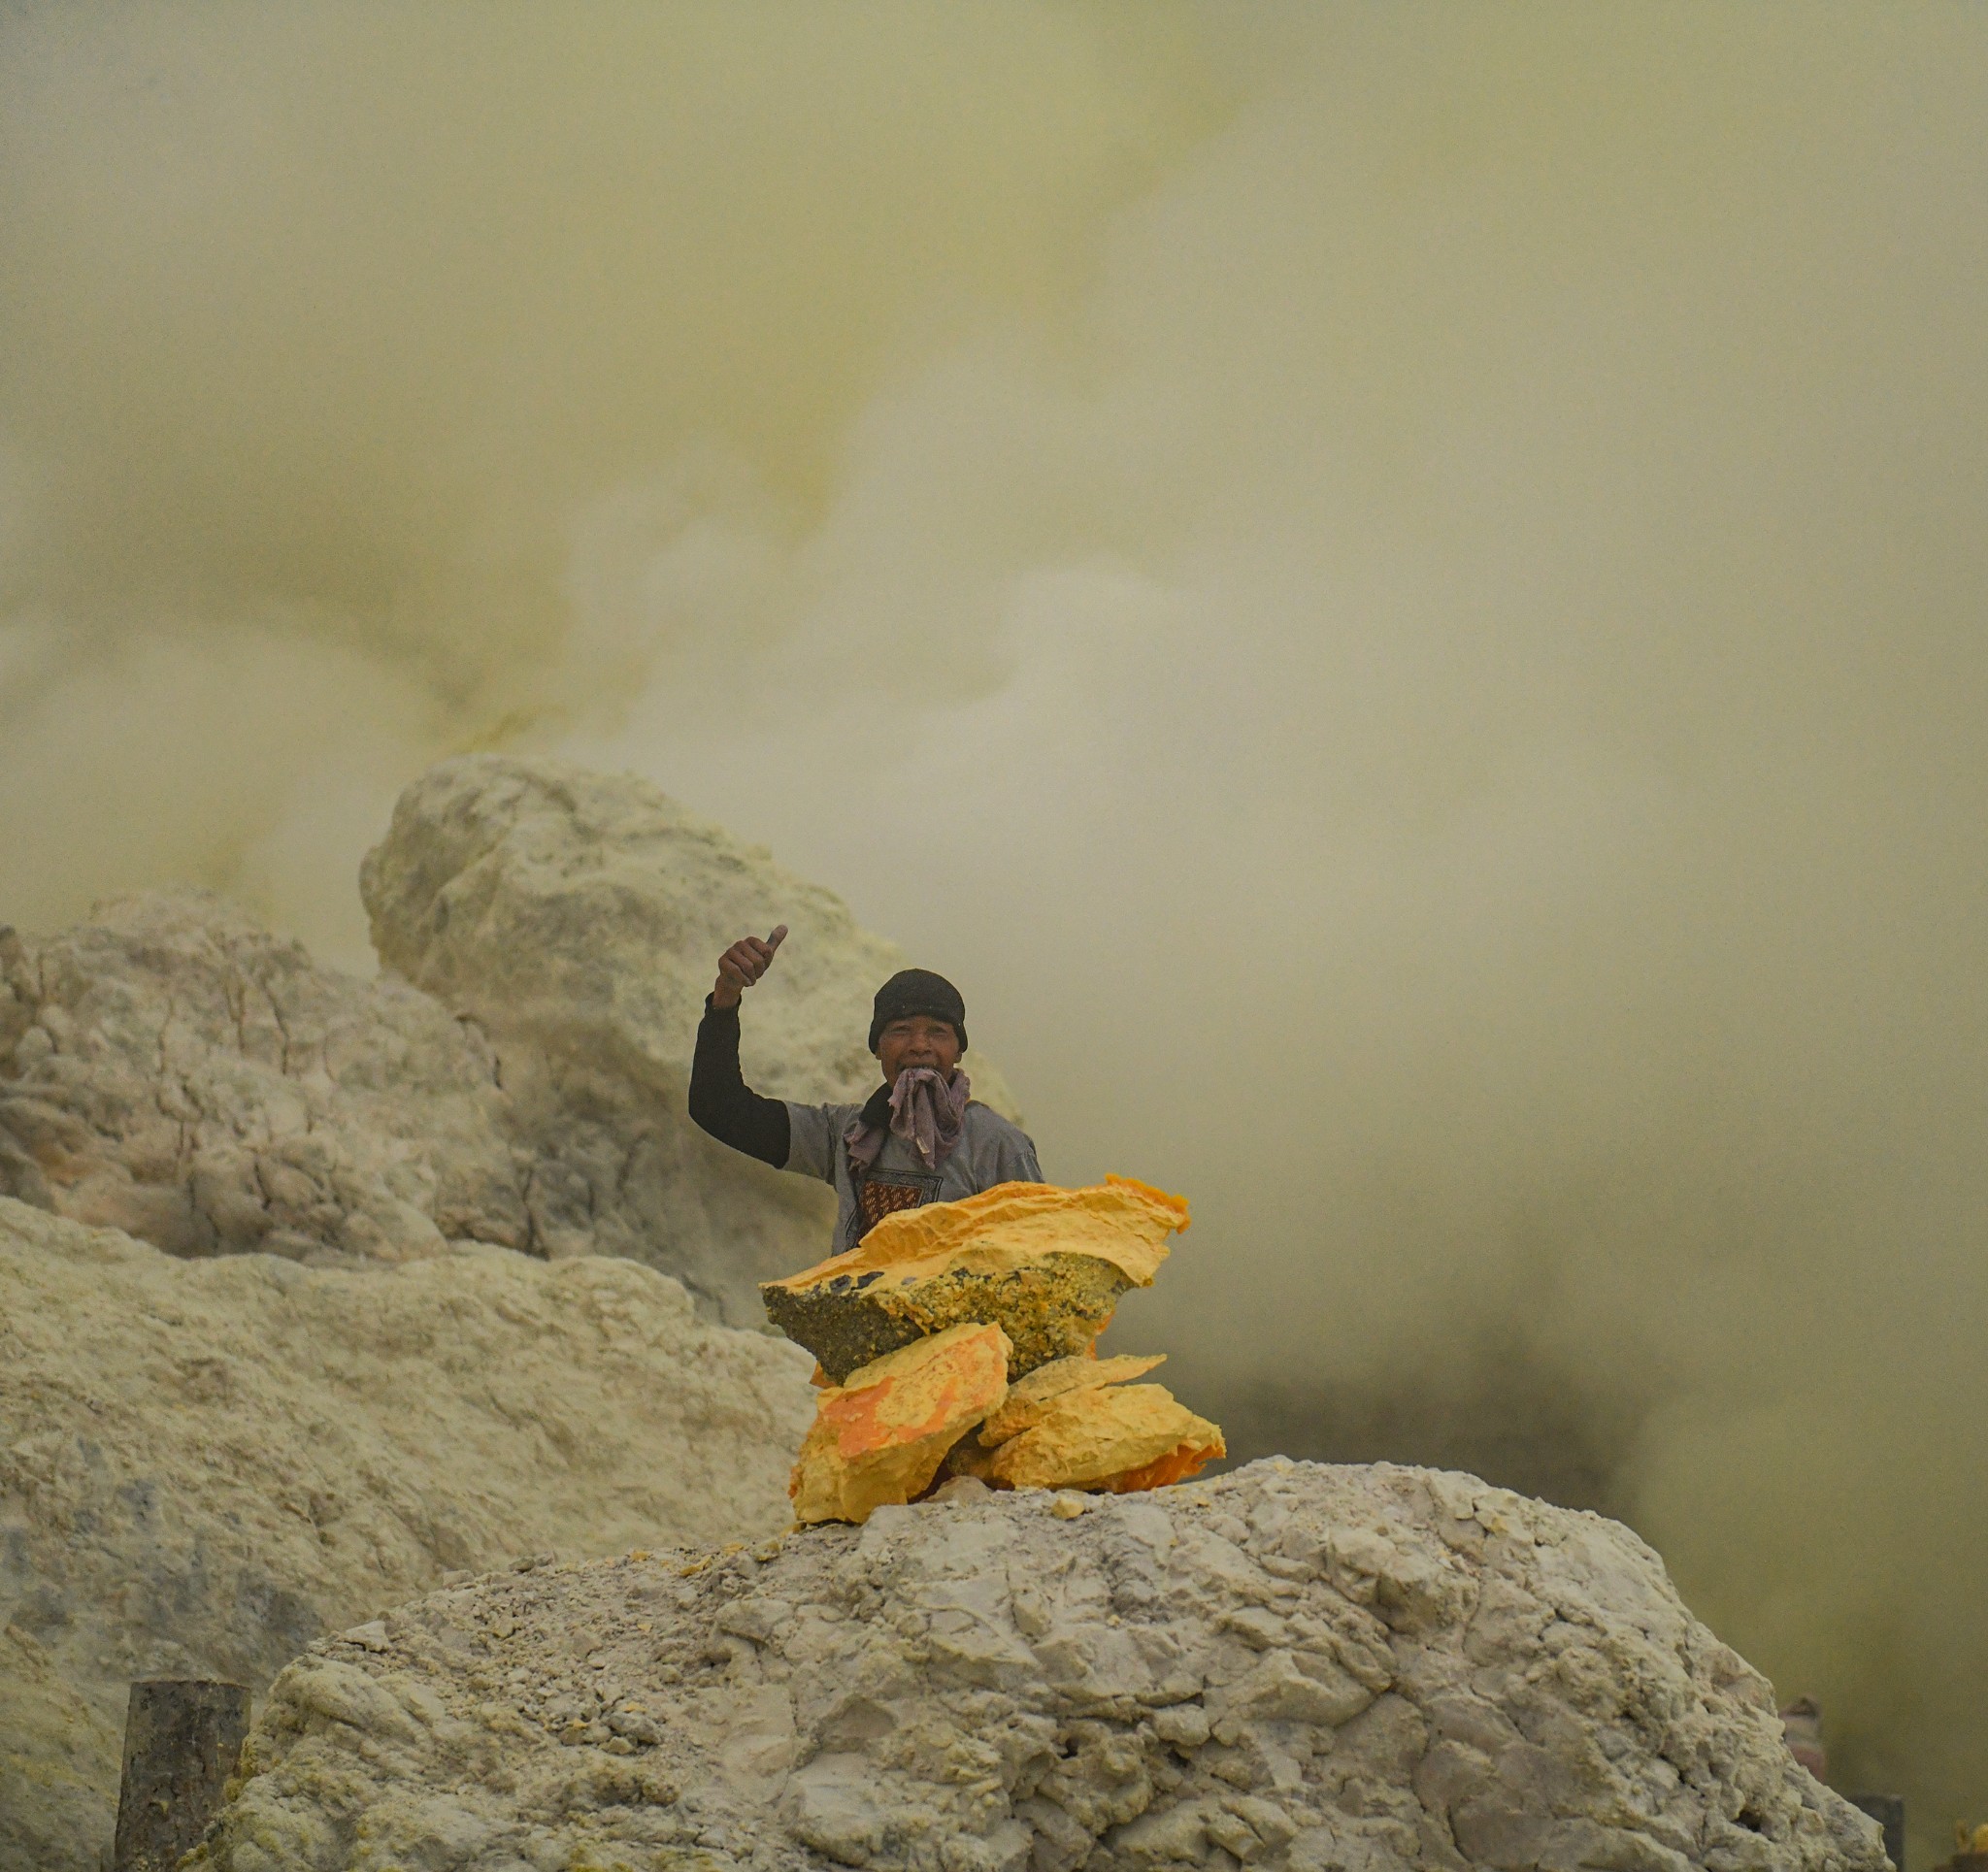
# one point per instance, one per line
(1120, 1220)
(1045, 1264)
(881, 1436)
(1120, 1438)
(1028, 1397)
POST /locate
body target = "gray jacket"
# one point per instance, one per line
(990, 1150)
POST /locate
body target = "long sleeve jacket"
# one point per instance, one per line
(810, 1141)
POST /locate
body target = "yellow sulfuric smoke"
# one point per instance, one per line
(1398, 593)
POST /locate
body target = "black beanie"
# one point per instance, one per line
(918, 990)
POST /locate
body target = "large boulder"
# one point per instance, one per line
(171, 1069)
(206, 1464)
(577, 918)
(1327, 1669)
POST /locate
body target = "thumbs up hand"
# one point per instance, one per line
(742, 963)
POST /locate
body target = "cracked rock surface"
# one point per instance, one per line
(1328, 1669)
(172, 1069)
(206, 1464)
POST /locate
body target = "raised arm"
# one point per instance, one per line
(721, 1102)
(742, 963)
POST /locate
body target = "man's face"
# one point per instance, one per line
(918, 1041)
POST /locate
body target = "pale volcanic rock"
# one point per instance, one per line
(579, 918)
(1327, 1669)
(171, 1069)
(60, 1756)
(206, 1464)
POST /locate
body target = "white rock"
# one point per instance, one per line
(206, 1464)
(1499, 1684)
(590, 909)
(577, 918)
(169, 1069)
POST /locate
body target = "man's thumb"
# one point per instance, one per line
(778, 937)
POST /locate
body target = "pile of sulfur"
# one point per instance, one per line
(960, 1340)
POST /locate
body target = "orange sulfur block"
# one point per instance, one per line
(1045, 1264)
(1030, 1396)
(1121, 1439)
(880, 1436)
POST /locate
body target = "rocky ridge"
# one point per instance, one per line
(1327, 1669)
(172, 1069)
(209, 1464)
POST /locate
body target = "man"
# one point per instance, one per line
(917, 1138)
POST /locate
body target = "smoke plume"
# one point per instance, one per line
(1399, 593)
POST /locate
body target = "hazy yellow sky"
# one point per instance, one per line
(1400, 593)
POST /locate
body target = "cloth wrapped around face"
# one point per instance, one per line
(927, 1110)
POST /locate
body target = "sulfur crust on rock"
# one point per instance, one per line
(1050, 1309)
(58, 1759)
(1048, 1264)
(1028, 1398)
(1131, 1436)
(516, 1075)
(1120, 1220)
(881, 1437)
